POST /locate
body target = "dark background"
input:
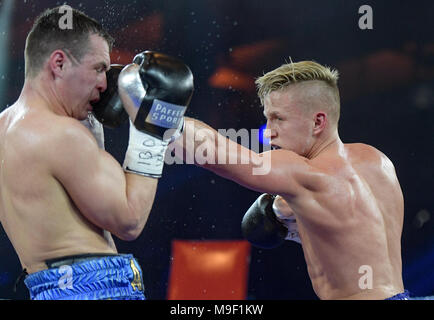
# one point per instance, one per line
(387, 82)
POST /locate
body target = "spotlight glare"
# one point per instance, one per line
(261, 138)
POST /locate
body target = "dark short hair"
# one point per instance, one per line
(47, 35)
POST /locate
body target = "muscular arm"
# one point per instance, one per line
(111, 199)
(263, 172)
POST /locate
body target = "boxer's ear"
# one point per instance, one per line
(320, 122)
(57, 62)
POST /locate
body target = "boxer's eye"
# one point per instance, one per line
(101, 68)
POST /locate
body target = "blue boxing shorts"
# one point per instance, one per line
(88, 277)
(400, 296)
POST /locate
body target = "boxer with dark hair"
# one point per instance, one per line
(62, 195)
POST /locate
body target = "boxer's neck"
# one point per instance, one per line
(41, 91)
(331, 143)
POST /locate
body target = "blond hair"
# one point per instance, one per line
(292, 73)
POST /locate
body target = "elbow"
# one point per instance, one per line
(129, 230)
(129, 234)
(132, 222)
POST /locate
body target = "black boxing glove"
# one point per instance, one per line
(155, 91)
(260, 225)
(109, 109)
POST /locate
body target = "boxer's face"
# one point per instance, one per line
(289, 127)
(85, 80)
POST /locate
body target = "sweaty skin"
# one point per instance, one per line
(351, 219)
(346, 198)
(60, 194)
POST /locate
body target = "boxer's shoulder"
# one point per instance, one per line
(69, 138)
(51, 129)
(364, 152)
(369, 157)
(45, 137)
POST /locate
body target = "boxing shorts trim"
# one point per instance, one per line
(400, 296)
(88, 277)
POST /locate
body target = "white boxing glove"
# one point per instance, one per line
(145, 154)
(284, 213)
(96, 128)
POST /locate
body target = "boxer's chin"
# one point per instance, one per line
(83, 116)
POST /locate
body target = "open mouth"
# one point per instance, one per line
(94, 101)
(275, 147)
(90, 106)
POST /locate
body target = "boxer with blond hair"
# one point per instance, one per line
(341, 201)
